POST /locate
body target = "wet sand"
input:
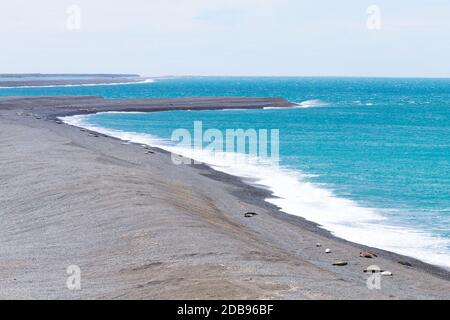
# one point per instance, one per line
(140, 227)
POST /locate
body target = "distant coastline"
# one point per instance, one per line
(61, 80)
(67, 75)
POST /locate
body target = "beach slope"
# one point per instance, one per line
(140, 227)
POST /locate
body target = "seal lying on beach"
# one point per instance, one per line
(250, 214)
(366, 254)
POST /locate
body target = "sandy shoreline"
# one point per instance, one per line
(140, 227)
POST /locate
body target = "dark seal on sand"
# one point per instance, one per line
(340, 263)
(250, 214)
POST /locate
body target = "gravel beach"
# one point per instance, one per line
(140, 227)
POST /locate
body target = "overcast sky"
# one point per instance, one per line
(227, 37)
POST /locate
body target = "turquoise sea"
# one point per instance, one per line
(368, 159)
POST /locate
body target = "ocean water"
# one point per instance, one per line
(367, 159)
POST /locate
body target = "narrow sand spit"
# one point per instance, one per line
(140, 227)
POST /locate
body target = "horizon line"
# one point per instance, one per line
(10, 74)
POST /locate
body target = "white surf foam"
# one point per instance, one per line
(82, 85)
(275, 108)
(312, 103)
(295, 195)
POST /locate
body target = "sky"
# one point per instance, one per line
(402, 38)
